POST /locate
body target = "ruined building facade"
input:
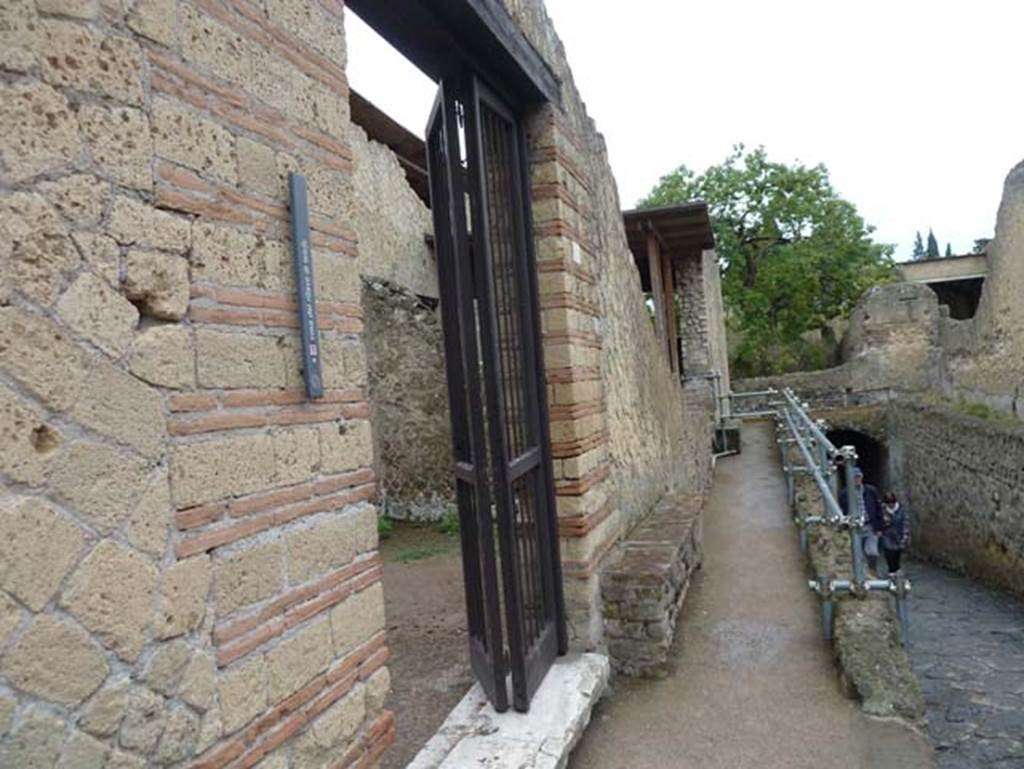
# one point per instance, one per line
(188, 546)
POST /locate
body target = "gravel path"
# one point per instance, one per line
(753, 683)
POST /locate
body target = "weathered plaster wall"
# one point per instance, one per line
(408, 401)
(188, 567)
(702, 316)
(621, 434)
(963, 480)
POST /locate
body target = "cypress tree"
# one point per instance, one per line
(918, 247)
(949, 249)
(932, 252)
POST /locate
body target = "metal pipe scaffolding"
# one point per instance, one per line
(820, 459)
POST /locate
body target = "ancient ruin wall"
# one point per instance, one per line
(390, 219)
(963, 480)
(188, 567)
(984, 356)
(620, 434)
(408, 401)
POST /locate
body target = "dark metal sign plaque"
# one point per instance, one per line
(303, 257)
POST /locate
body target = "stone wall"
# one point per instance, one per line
(390, 219)
(187, 555)
(622, 434)
(963, 480)
(409, 402)
(984, 359)
(702, 316)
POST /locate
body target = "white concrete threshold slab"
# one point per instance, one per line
(474, 735)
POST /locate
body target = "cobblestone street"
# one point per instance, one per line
(968, 651)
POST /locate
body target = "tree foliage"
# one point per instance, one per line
(794, 255)
(949, 249)
(932, 251)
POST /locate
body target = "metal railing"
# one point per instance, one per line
(823, 461)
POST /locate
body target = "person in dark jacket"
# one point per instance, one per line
(869, 507)
(895, 531)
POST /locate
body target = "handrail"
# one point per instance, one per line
(822, 460)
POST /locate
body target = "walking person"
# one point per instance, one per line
(895, 532)
(869, 507)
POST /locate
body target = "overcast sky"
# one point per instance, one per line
(916, 108)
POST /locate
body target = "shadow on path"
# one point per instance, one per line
(752, 681)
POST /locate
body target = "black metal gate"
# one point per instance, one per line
(505, 490)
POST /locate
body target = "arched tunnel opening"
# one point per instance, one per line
(872, 456)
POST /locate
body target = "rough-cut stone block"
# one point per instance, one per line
(296, 455)
(345, 446)
(234, 360)
(247, 576)
(80, 198)
(102, 716)
(39, 355)
(357, 619)
(473, 734)
(214, 47)
(144, 722)
(227, 256)
(118, 139)
(156, 19)
(82, 752)
(184, 589)
(121, 407)
(57, 661)
(203, 472)
(38, 253)
(78, 9)
(163, 355)
(327, 543)
(194, 141)
(35, 742)
(19, 23)
(297, 660)
(101, 253)
(198, 682)
(38, 131)
(158, 283)
(121, 760)
(378, 686)
(7, 707)
(37, 548)
(257, 167)
(29, 444)
(10, 616)
(111, 593)
(165, 668)
(100, 484)
(86, 60)
(133, 223)
(332, 730)
(178, 741)
(243, 693)
(96, 311)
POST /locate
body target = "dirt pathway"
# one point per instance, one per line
(753, 683)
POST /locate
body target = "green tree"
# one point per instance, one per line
(981, 245)
(794, 255)
(949, 249)
(918, 247)
(932, 252)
